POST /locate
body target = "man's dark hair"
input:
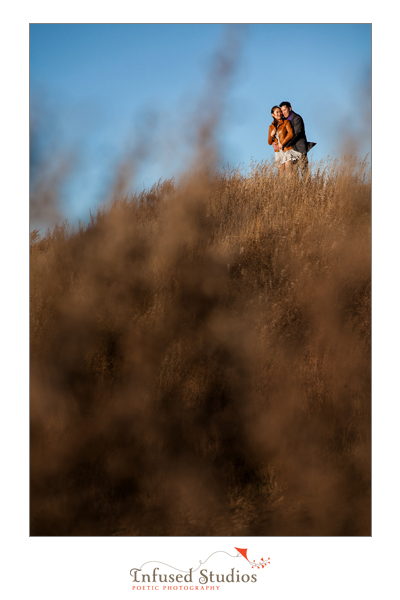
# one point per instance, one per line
(285, 104)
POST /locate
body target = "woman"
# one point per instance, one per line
(281, 132)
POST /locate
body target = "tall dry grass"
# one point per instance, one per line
(200, 359)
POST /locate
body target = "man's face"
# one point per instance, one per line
(286, 110)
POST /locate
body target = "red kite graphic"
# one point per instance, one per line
(243, 552)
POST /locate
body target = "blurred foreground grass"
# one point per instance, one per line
(200, 359)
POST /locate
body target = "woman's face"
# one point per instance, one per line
(277, 113)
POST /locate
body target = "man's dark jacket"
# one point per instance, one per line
(299, 140)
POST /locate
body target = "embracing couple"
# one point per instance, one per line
(288, 137)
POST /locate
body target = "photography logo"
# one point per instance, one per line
(167, 577)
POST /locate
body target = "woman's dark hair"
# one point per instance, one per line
(272, 110)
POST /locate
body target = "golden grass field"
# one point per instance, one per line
(200, 359)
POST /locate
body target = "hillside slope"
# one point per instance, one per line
(200, 360)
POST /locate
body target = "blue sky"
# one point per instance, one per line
(101, 88)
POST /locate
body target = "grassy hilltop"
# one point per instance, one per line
(200, 360)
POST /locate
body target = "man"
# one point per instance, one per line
(299, 140)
